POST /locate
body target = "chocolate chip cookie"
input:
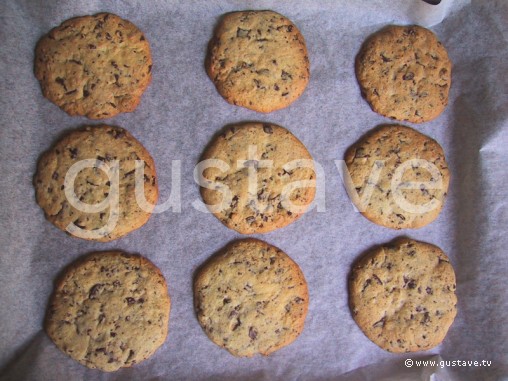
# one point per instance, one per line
(260, 178)
(109, 310)
(97, 66)
(101, 203)
(399, 177)
(251, 298)
(402, 295)
(404, 73)
(258, 60)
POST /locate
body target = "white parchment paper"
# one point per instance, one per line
(179, 114)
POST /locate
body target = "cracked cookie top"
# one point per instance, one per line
(258, 60)
(399, 177)
(404, 73)
(402, 295)
(251, 298)
(104, 145)
(96, 66)
(109, 310)
(262, 178)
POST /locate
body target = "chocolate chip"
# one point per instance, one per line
(429, 290)
(130, 300)
(92, 46)
(131, 355)
(55, 176)
(234, 202)
(285, 75)
(258, 84)
(253, 334)
(73, 152)
(384, 58)
(117, 134)
(267, 129)
(233, 313)
(400, 216)
(409, 283)
(250, 220)
(94, 291)
(408, 76)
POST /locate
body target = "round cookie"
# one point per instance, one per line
(258, 60)
(251, 298)
(107, 146)
(413, 177)
(263, 153)
(97, 66)
(402, 295)
(109, 310)
(404, 73)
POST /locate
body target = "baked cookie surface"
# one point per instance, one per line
(258, 60)
(107, 146)
(404, 73)
(263, 164)
(402, 295)
(96, 66)
(109, 310)
(251, 298)
(400, 176)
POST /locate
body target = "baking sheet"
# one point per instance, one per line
(179, 114)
